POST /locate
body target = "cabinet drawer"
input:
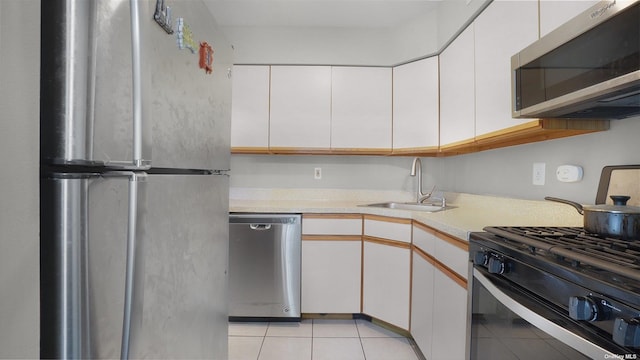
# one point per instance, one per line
(453, 256)
(388, 228)
(424, 238)
(339, 224)
(445, 249)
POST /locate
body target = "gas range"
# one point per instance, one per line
(593, 281)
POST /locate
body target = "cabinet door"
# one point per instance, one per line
(361, 109)
(250, 108)
(422, 293)
(331, 276)
(457, 91)
(449, 317)
(300, 107)
(501, 30)
(385, 287)
(554, 13)
(416, 105)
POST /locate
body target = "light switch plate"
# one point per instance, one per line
(538, 173)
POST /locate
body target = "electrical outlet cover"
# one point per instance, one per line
(569, 173)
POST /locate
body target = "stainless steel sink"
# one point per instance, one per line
(413, 206)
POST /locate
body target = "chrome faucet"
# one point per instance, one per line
(416, 168)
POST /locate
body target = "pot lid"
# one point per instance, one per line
(615, 209)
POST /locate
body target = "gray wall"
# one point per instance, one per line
(508, 171)
(19, 185)
(502, 172)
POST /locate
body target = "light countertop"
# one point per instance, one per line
(465, 213)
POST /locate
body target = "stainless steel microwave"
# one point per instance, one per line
(587, 68)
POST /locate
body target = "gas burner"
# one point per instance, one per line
(575, 247)
(544, 233)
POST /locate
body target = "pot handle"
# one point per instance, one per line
(620, 199)
(568, 202)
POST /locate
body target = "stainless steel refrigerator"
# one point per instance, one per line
(135, 121)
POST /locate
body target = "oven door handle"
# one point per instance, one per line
(578, 343)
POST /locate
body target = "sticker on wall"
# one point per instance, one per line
(185, 36)
(163, 16)
(206, 57)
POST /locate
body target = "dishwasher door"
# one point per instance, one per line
(264, 267)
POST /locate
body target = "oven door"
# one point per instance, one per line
(509, 323)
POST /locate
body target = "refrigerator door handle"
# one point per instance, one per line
(137, 84)
(141, 136)
(134, 262)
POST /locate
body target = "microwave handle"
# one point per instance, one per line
(580, 344)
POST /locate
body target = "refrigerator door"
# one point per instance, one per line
(94, 109)
(116, 86)
(134, 266)
(186, 233)
(91, 262)
(190, 109)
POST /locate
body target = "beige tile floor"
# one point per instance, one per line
(317, 339)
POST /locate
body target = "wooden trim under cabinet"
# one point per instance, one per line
(360, 151)
(298, 151)
(540, 130)
(416, 151)
(249, 150)
(533, 131)
(458, 148)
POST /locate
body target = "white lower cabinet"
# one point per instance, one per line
(439, 294)
(331, 276)
(449, 318)
(422, 292)
(331, 263)
(386, 279)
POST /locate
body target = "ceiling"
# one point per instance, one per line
(339, 32)
(319, 13)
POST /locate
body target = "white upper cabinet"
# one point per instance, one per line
(250, 107)
(300, 107)
(501, 30)
(554, 13)
(416, 105)
(457, 110)
(361, 108)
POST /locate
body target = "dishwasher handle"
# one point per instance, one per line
(260, 227)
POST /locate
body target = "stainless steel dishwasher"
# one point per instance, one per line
(264, 267)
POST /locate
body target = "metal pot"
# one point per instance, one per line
(618, 220)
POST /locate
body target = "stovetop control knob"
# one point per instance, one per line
(481, 258)
(496, 266)
(627, 332)
(584, 308)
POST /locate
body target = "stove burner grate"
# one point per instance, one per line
(576, 247)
